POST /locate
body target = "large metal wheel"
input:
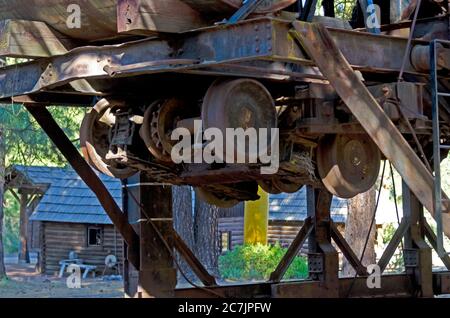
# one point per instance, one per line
(241, 103)
(95, 137)
(160, 119)
(348, 164)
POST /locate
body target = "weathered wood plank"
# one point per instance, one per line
(31, 39)
(148, 17)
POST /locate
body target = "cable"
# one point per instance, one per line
(370, 229)
(169, 249)
(395, 198)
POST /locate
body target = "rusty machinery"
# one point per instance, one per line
(332, 88)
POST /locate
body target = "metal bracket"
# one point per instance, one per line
(315, 264)
(411, 257)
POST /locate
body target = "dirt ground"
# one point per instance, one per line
(24, 282)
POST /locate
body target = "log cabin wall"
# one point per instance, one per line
(59, 239)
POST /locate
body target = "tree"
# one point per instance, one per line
(198, 226)
(359, 219)
(183, 224)
(25, 143)
(2, 187)
(206, 233)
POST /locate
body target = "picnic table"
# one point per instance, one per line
(67, 262)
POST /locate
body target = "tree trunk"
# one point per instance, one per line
(206, 228)
(183, 224)
(2, 190)
(24, 255)
(199, 228)
(360, 213)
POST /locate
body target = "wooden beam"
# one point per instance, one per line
(15, 195)
(421, 266)
(393, 244)
(429, 233)
(31, 39)
(150, 17)
(293, 251)
(347, 251)
(319, 205)
(193, 262)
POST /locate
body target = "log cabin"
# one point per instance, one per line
(66, 217)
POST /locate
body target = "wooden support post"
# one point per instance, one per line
(347, 251)
(292, 252)
(323, 261)
(393, 244)
(417, 253)
(151, 206)
(24, 255)
(433, 241)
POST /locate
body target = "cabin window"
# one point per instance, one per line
(225, 241)
(95, 236)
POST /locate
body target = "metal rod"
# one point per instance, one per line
(436, 148)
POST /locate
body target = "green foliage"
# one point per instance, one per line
(11, 224)
(397, 262)
(27, 144)
(343, 8)
(257, 262)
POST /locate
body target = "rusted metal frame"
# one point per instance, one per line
(392, 285)
(319, 205)
(261, 71)
(68, 150)
(353, 45)
(292, 251)
(393, 244)
(212, 45)
(193, 262)
(429, 233)
(422, 271)
(316, 40)
(261, 38)
(347, 251)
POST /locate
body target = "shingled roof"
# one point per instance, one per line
(292, 207)
(68, 199)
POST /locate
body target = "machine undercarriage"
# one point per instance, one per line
(341, 97)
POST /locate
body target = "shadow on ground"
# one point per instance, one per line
(24, 282)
